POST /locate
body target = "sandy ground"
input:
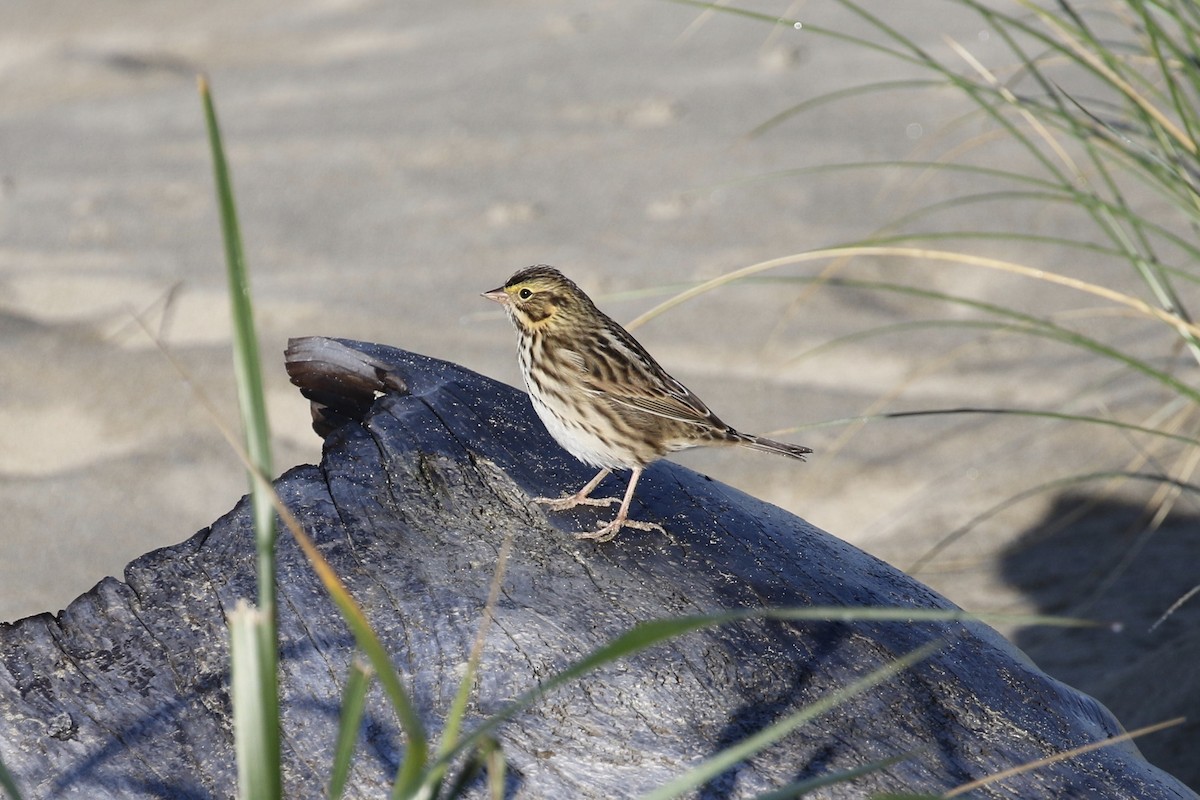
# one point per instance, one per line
(393, 160)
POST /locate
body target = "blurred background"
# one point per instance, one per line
(393, 160)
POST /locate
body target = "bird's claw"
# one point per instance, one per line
(610, 531)
(564, 503)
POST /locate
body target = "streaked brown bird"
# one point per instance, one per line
(601, 395)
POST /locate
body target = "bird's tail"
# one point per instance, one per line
(772, 446)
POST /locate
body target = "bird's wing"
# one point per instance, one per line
(682, 408)
(624, 373)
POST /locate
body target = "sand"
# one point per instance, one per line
(394, 160)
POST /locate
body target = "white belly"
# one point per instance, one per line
(578, 439)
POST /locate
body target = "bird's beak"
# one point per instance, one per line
(499, 295)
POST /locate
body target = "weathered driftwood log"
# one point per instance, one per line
(427, 468)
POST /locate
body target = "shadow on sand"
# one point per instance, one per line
(1104, 560)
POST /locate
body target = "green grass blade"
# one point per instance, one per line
(8, 783)
(1039, 414)
(260, 777)
(246, 363)
(1047, 487)
(409, 777)
(833, 97)
(1022, 324)
(488, 755)
(255, 723)
(354, 702)
(458, 708)
(754, 743)
(740, 12)
(971, 170)
(497, 767)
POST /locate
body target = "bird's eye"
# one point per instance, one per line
(525, 294)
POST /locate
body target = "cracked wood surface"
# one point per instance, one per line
(427, 468)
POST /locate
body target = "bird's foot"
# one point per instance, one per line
(610, 531)
(563, 503)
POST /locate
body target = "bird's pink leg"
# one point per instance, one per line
(610, 531)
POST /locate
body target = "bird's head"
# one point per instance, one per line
(541, 296)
